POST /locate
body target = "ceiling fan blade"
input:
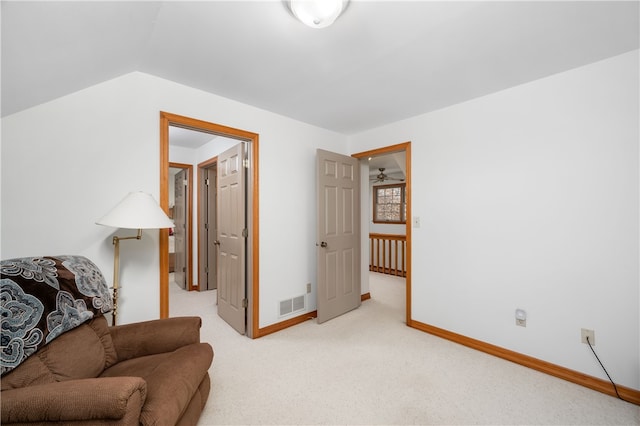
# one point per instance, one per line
(381, 177)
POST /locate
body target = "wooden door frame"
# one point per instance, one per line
(189, 244)
(207, 164)
(406, 147)
(253, 296)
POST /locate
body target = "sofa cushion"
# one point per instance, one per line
(31, 372)
(81, 353)
(154, 337)
(172, 380)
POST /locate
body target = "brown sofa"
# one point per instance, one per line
(60, 362)
(148, 373)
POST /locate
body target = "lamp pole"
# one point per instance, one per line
(116, 270)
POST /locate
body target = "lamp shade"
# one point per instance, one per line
(138, 210)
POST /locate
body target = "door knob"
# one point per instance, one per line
(216, 242)
(323, 244)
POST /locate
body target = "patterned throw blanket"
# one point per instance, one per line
(43, 297)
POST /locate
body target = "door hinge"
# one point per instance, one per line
(185, 182)
(245, 303)
(206, 269)
(245, 163)
(245, 232)
(206, 181)
(206, 226)
(184, 269)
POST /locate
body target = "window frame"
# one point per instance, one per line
(403, 203)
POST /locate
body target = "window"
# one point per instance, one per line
(389, 204)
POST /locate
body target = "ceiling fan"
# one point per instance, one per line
(381, 177)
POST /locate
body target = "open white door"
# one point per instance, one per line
(338, 227)
(207, 231)
(232, 236)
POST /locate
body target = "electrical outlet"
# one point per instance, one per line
(590, 334)
(308, 287)
(521, 317)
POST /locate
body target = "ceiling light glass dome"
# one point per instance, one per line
(317, 13)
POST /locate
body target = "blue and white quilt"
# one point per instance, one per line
(43, 297)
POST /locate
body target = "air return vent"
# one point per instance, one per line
(290, 306)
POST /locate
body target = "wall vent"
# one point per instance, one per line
(292, 305)
(286, 307)
(298, 303)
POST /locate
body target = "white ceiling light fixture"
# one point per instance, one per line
(317, 13)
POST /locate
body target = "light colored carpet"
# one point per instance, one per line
(367, 368)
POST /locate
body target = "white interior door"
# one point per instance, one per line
(232, 237)
(207, 234)
(338, 228)
(211, 206)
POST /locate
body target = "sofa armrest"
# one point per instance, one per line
(116, 400)
(155, 337)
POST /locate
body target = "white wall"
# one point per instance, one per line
(67, 162)
(528, 199)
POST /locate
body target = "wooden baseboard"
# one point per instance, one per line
(628, 394)
(286, 324)
(295, 321)
(603, 386)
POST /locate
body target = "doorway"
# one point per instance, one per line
(207, 224)
(364, 158)
(168, 120)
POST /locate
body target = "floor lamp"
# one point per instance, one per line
(138, 210)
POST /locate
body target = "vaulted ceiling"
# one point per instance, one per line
(382, 61)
